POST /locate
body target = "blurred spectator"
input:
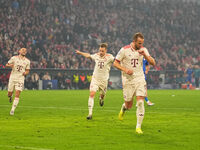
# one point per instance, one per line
(75, 81)
(89, 78)
(28, 82)
(60, 79)
(82, 81)
(189, 72)
(67, 81)
(46, 76)
(35, 80)
(15, 4)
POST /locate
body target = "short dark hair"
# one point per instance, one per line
(104, 45)
(137, 35)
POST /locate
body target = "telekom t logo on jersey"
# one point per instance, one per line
(101, 64)
(134, 62)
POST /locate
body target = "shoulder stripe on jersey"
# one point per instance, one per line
(127, 46)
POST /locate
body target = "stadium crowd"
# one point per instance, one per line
(52, 30)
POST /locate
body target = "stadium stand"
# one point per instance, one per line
(52, 30)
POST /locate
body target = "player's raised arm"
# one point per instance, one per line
(87, 55)
(151, 60)
(146, 55)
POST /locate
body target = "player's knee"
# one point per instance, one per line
(128, 108)
(128, 105)
(9, 94)
(17, 94)
(140, 103)
(102, 96)
(92, 94)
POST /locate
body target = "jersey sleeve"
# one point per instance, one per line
(12, 60)
(112, 58)
(146, 52)
(93, 56)
(120, 55)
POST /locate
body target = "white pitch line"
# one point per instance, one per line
(27, 148)
(80, 108)
(65, 108)
(112, 109)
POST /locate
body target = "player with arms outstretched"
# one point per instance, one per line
(99, 82)
(20, 68)
(130, 61)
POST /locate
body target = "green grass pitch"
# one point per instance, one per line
(56, 120)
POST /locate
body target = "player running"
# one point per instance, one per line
(103, 62)
(130, 61)
(20, 68)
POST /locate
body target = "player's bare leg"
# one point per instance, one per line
(101, 99)
(149, 103)
(91, 104)
(140, 113)
(10, 96)
(125, 106)
(15, 102)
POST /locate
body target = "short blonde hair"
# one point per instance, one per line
(137, 35)
(104, 45)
